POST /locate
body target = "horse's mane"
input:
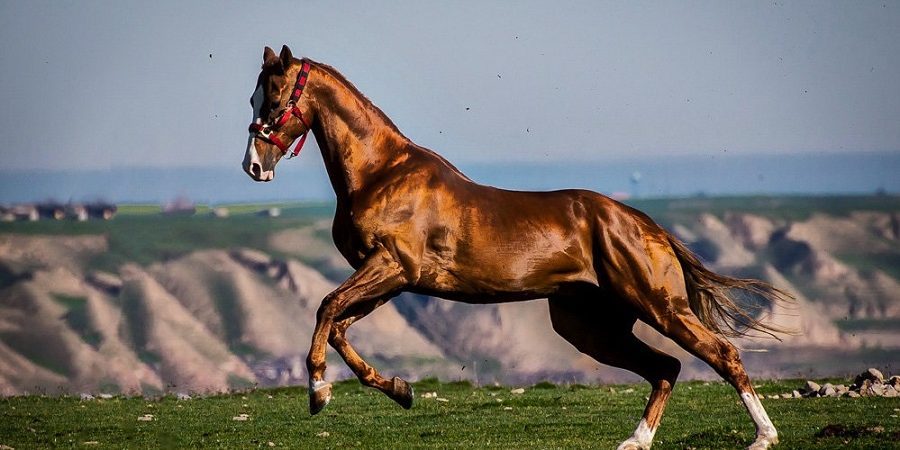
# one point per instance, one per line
(331, 71)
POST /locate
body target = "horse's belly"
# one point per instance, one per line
(506, 276)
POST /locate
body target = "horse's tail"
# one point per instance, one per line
(710, 297)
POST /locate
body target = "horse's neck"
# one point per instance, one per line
(357, 140)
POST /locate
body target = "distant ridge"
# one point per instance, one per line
(670, 176)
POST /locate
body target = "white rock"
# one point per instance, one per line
(811, 386)
(876, 374)
(871, 374)
(894, 381)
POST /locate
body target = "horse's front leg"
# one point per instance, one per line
(397, 389)
(380, 276)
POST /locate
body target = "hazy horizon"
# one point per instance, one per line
(305, 179)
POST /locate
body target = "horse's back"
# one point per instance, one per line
(486, 241)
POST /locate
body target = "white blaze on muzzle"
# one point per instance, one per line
(256, 102)
(251, 156)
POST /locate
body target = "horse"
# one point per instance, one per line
(407, 220)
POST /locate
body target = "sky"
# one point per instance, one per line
(100, 85)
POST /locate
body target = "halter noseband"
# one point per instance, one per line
(265, 131)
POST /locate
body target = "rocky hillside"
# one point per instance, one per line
(205, 322)
(818, 258)
(208, 320)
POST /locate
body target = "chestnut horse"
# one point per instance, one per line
(408, 220)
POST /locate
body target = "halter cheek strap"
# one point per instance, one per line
(265, 131)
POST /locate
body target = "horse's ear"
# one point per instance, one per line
(269, 56)
(286, 56)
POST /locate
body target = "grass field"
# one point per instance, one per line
(700, 415)
(775, 207)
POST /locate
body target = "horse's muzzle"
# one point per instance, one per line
(255, 170)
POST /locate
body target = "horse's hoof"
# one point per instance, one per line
(402, 393)
(764, 441)
(319, 396)
(633, 444)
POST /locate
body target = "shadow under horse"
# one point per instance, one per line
(408, 220)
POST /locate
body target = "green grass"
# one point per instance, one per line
(891, 324)
(699, 416)
(47, 357)
(867, 261)
(78, 320)
(794, 208)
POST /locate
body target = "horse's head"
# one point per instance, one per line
(281, 113)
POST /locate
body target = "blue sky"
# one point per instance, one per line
(99, 85)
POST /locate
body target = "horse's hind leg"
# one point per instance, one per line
(606, 335)
(687, 331)
(397, 389)
(662, 303)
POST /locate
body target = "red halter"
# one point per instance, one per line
(265, 131)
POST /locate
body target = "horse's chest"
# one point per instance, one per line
(349, 239)
(355, 235)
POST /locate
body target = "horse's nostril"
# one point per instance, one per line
(255, 170)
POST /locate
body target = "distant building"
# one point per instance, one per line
(21, 213)
(101, 210)
(51, 210)
(219, 212)
(57, 211)
(77, 212)
(271, 212)
(181, 206)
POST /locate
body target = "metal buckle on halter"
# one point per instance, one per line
(261, 130)
(286, 113)
(264, 132)
(288, 154)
